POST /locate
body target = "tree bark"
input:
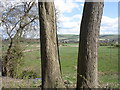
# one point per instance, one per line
(51, 75)
(0, 71)
(88, 45)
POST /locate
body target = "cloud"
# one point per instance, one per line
(109, 25)
(68, 25)
(69, 31)
(71, 25)
(66, 6)
(82, 5)
(79, 0)
(75, 17)
(71, 22)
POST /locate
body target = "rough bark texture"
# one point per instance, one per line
(5, 68)
(88, 45)
(0, 73)
(51, 75)
(0, 64)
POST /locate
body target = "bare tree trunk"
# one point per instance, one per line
(0, 71)
(0, 62)
(6, 71)
(51, 75)
(88, 46)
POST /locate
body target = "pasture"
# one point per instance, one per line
(107, 66)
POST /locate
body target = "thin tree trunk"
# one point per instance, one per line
(51, 75)
(6, 71)
(6, 58)
(88, 46)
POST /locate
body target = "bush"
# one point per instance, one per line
(117, 45)
(11, 60)
(103, 44)
(28, 75)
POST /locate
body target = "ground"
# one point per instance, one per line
(107, 66)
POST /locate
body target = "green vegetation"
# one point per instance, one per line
(117, 45)
(11, 59)
(68, 36)
(75, 37)
(109, 36)
(107, 66)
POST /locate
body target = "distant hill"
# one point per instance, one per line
(110, 37)
(76, 37)
(68, 37)
(71, 38)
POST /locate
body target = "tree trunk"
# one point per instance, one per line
(6, 58)
(88, 46)
(51, 74)
(0, 71)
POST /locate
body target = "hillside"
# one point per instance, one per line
(76, 37)
(70, 38)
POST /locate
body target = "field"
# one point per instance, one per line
(107, 66)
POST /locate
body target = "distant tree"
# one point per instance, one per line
(16, 21)
(88, 46)
(51, 74)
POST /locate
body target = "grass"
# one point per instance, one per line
(107, 63)
(68, 57)
(31, 61)
(108, 59)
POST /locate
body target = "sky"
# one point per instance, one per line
(70, 14)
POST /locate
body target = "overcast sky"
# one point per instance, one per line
(70, 14)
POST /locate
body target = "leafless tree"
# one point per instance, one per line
(16, 21)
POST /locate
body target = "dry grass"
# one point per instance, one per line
(19, 83)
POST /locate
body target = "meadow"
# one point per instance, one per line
(107, 65)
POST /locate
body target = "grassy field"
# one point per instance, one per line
(107, 64)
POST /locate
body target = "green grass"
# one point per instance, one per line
(31, 62)
(107, 62)
(108, 59)
(68, 57)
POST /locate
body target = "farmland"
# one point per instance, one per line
(107, 65)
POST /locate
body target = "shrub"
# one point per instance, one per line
(117, 45)
(28, 75)
(11, 60)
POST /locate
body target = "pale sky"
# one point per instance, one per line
(70, 14)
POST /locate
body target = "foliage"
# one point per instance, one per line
(104, 44)
(12, 60)
(28, 75)
(109, 44)
(117, 45)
